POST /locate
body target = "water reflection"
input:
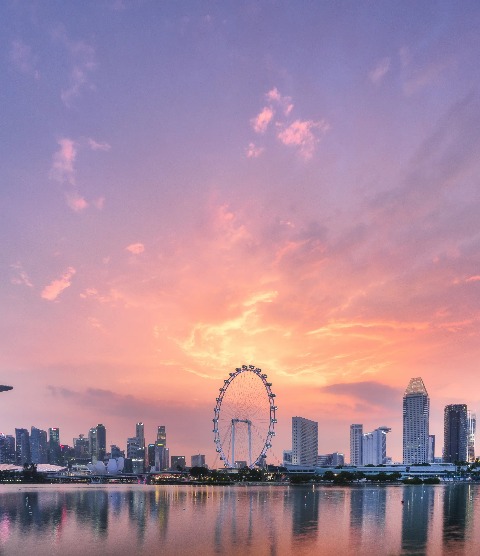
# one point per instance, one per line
(239, 520)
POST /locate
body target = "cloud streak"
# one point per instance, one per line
(56, 287)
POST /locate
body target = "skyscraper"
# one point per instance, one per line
(140, 434)
(455, 428)
(161, 450)
(356, 444)
(304, 441)
(22, 446)
(54, 445)
(416, 416)
(38, 446)
(472, 427)
(101, 442)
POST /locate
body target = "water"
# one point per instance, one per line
(260, 520)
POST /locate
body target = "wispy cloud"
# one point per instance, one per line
(96, 146)
(304, 135)
(23, 59)
(20, 277)
(76, 202)
(371, 392)
(62, 169)
(380, 70)
(261, 120)
(56, 287)
(135, 248)
(82, 57)
(253, 151)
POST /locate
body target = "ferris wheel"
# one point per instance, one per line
(244, 418)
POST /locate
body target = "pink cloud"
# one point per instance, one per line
(475, 278)
(62, 169)
(55, 288)
(253, 151)
(96, 146)
(136, 248)
(260, 122)
(380, 70)
(76, 202)
(301, 134)
(21, 278)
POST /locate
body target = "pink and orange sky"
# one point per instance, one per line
(190, 186)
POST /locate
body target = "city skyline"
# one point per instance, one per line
(189, 187)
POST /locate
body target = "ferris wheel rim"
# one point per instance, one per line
(272, 411)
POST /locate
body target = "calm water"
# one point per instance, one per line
(276, 520)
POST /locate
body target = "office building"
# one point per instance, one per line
(178, 463)
(455, 428)
(198, 460)
(92, 444)
(304, 441)
(140, 434)
(472, 427)
(38, 446)
(22, 446)
(101, 448)
(431, 448)
(287, 457)
(416, 416)
(54, 445)
(81, 447)
(356, 444)
(374, 449)
(7, 448)
(331, 460)
(161, 450)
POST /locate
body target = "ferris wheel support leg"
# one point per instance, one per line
(233, 442)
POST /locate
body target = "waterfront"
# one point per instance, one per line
(275, 520)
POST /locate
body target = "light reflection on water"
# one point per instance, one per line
(263, 520)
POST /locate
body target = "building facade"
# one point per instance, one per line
(472, 427)
(416, 417)
(38, 446)
(22, 446)
(198, 460)
(304, 441)
(375, 447)
(455, 429)
(356, 444)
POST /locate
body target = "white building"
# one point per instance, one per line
(304, 441)
(416, 416)
(356, 444)
(375, 446)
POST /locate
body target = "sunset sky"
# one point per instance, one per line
(186, 187)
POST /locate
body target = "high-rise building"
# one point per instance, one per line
(92, 443)
(115, 452)
(374, 449)
(140, 434)
(7, 448)
(54, 445)
(416, 416)
(287, 457)
(151, 455)
(22, 446)
(38, 446)
(198, 460)
(101, 442)
(81, 446)
(455, 428)
(304, 441)
(356, 444)
(161, 450)
(472, 427)
(133, 448)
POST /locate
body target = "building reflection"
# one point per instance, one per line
(457, 513)
(304, 510)
(418, 502)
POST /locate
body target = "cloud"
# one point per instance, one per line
(136, 248)
(82, 57)
(55, 288)
(475, 278)
(23, 59)
(253, 151)
(371, 392)
(379, 71)
(20, 278)
(301, 134)
(95, 146)
(62, 169)
(261, 121)
(284, 102)
(76, 202)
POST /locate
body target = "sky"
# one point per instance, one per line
(186, 187)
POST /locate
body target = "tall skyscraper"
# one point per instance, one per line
(92, 443)
(356, 444)
(54, 445)
(22, 446)
(416, 416)
(375, 446)
(472, 427)
(101, 442)
(7, 448)
(304, 441)
(140, 434)
(81, 446)
(455, 428)
(38, 446)
(161, 450)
